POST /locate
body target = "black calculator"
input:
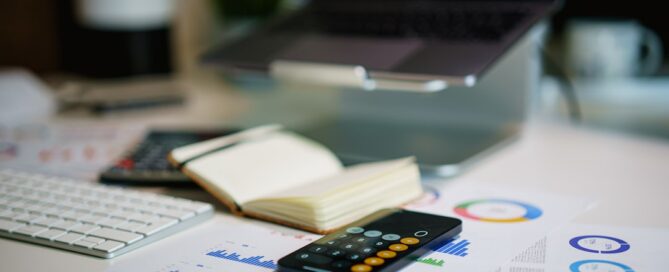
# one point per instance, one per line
(384, 241)
(146, 163)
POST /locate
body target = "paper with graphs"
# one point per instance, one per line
(596, 248)
(498, 223)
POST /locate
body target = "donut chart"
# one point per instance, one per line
(498, 210)
(599, 244)
(599, 265)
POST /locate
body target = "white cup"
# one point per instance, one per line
(611, 48)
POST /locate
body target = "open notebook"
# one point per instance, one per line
(276, 175)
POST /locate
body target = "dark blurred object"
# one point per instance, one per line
(147, 165)
(28, 31)
(46, 36)
(410, 47)
(234, 9)
(649, 13)
(119, 95)
(109, 51)
(387, 41)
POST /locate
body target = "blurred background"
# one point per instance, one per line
(612, 56)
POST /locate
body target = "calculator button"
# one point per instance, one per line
(409, 241)
(390, 237)
(372, 233)
(380, 244)
(360, 240)
(335, 253)
(343, 235)
(303, 256)
(354, 257)
(125, 164)
(355, 230)
(332, 242)
(367, 250)
(374, 261)
(361, 268)
(398, 247)
(341, 264)
(318, 249)
(386, 254)
(313, 258)
(420, 233)
(348, 246)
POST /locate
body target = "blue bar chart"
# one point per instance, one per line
(233, 256)
(454, 247)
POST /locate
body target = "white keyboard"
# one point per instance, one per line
(89, 218)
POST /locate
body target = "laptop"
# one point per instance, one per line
(477, 50)
(448, 41)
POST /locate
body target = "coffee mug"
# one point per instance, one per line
(611, 48)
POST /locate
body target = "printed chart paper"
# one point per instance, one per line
(498, 223)
(597, 248)
(224, 243)
(75, 150)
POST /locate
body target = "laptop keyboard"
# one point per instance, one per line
(452, 22)
(88, 218)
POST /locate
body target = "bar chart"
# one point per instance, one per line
(454, 247)
(233, 256)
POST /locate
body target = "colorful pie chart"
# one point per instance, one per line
(599, 244)
(498, 210)
(599, 266)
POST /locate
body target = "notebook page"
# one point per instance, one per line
(260, 167)
(348, 178)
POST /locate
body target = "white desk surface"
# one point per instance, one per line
(627, 175)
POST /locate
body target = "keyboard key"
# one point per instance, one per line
(156, 226)
(69, 238)
(27, 218)
(85, 228)
(73, 215)
(131, 226)
(30, 230)
(88, 242)
(112, 222)
(178, 214)
(97, 220)
(66, 225)
(51, 234)
(94, 239)
(93, 219)
(47, 221)
(117, 235)
(197, 207)
(143, 217)
(124, 214)
(7, 225)
(109, 246)
(8, 214)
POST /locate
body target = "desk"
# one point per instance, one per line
(624, 174)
